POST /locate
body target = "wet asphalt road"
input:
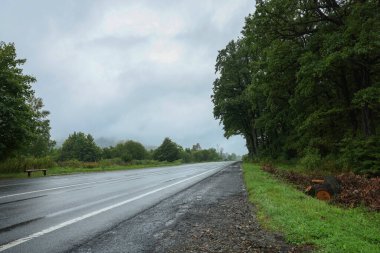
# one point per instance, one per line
(56, 214)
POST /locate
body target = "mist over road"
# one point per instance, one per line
(56, 214)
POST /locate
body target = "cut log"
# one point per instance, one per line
(323, 192)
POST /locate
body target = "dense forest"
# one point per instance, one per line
(303, 83)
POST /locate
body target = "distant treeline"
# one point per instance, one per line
(25, 141)
(82, 147)
(303, 82)
(79, 150)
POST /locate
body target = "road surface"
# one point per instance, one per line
(58, 214)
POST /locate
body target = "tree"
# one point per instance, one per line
(127, 151)
(232, 105)
(79, 146)
(196, 147)
(232, 157)
(40, 143)
(167, 151)
(304, 80)
(186, 155)
(136, 150)
(205, 155)
(22, 121)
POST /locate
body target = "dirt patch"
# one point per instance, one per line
(356, 190)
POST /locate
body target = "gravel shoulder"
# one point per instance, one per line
(213, 215)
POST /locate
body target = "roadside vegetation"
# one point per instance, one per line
(79, 153)
(305, 220)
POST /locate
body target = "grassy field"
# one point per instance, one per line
(69, 170)
(305, 220)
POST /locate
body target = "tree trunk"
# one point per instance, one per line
(367, 120)
(362, 77)
(254, 131)
(249, 144)
(347, 97)
(367, 115)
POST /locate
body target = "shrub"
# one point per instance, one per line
(20, 164)
(79, 146)
(362, 155)
(168, 151)
(70, 164)
(127, 151)
(312, 159)
(110, 162)
(90, 165)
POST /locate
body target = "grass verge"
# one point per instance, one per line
(70, 170)
(305, 220)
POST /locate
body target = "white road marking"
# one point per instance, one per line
(97, 202)
(7, 185)
(73, 185)
(60, 187)
(80, 218)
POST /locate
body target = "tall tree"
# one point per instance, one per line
(167, 151)
(127, 151)
(81, 147)
(22, 120)
(231, 103)
(40, 143)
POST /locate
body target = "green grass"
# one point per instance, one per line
(70, 170)
(326, 167)
(305, 220)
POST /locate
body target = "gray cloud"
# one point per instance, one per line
(138, 70)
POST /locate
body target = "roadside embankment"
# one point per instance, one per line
(305, 220)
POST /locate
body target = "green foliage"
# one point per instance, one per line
(136, 149)
(70, 163)
(231, 103)
(205, 155)
(23, 124)
(104, 163)
(305, 75)
(305, 220)
(197, 154)
(367, 97)
(127, 151)
(167, 151)
(40, 143)
(232, 157)
(186, 155)
(79, 146)
(20, 164)
(312, 159)
(363, 155)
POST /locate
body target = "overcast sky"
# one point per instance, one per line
(139, 70)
